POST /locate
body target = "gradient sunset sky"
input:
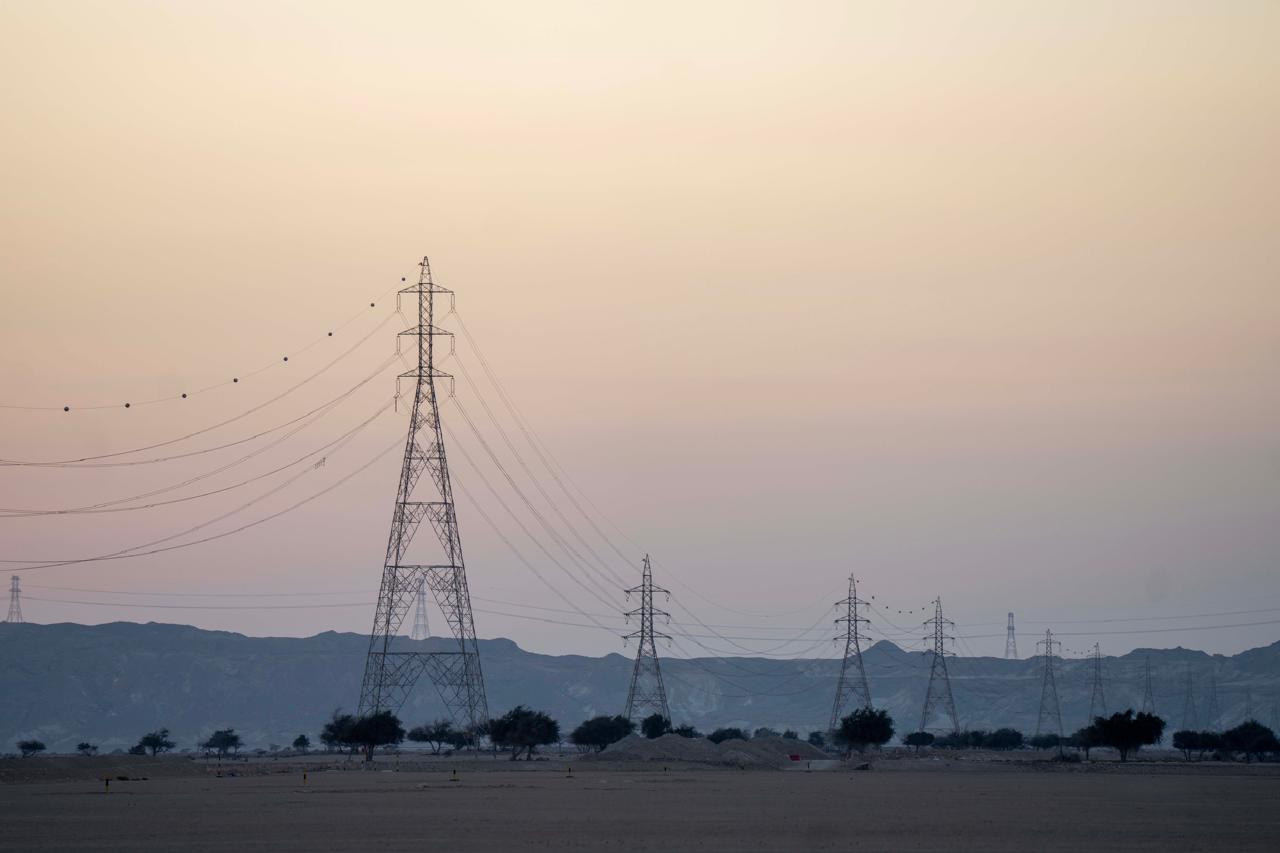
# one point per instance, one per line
(979, 300)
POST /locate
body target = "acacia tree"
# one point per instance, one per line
(1126, 732)
(302, 743)
(865, 727)
(1086, 739)
(1251, 738)
(375, 730)
(86, 748)
(155, 743)
(222, 741)
(727, 733)
(436, 734)
(338, 732)
(29, 748)
(523, 730)
(918, 739)
(598, 732)
(655, 726)
(686, 731)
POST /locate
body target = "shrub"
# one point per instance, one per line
(728, 733)
(599, 732)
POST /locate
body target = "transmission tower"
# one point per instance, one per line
(1098, 699)
(1248, 704)
(1148, 698)
(647, 695)
(853, 675)
(1212, 711)
(939, 690)
(1190, 720)
(15, 600)
(390, 673)
(1010, 642)
(1050, 711)
(420, 629)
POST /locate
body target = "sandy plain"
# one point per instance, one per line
(906, 804)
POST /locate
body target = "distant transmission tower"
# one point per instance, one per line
(1212, 711)
(15, 600)
(939, 690)
(1050, 711)
(1190, 720)
(1148, 698)
(853, 675)
(647, 695)
(390, 673)
(1010, 642)
(420, 629)
(1098, 699)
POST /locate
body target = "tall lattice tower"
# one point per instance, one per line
(1190, 719)
(853, 675)
(1212, 711)
(646, 695)
(15, 600)
(1050, 710)
(1098, 698)
(420, 628)
(939, 690)
(1148, 697)
(1010, 642)
(391, 672)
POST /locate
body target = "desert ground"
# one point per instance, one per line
(926, 804)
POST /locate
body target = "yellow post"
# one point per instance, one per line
(106, 786)
(304, 778)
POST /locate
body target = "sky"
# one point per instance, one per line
(972, 300)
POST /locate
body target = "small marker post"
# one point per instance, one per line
(304, 778)
(454, 777)
(106, 786)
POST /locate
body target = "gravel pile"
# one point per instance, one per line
(760, 752)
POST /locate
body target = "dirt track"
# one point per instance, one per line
(947, 807)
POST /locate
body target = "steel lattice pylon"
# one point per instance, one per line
(853, 675)
(1148, 698)
(1049, 707)
(939, 689)
(1190, 719)
(15, 600)
(1098, 698)
(421, 630)
(391, 672)
(1010, 642)
(647, 695)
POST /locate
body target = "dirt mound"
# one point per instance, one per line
(760, 752)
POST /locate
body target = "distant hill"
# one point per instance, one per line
(110, 683)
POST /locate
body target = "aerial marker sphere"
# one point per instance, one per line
(126, 405)
(235, 379)
(286, 358)
(184, 396)
(331, 334)
(370, 304)
(66, 408)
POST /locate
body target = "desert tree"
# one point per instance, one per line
(1048, 740)
(817, 739)
(791, 734)
(29, 748)
(598, 732)
(1086, 739)
(221, 742)
(1252, 739)
(523, 730)
(655, 726)
(374, 730)
(86, 748)
(436, 734)
(302, 743)
(337, 734)
(727, 733)
(686, 731)
(155, 743)
(764, 731)
(1127, 732)
(918, 739)
(1004, 738)
(863, 728)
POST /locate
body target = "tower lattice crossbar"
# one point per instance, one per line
(390, 671)
(1098, 697)
(1010, 642)
(852, 689)
(938, 693)
(647, 695)
(1050, 710)
(15, 600)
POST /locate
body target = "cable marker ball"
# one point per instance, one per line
(66, 408)
(126, 405)
(184, 396)
(286, 358)
(235, 379)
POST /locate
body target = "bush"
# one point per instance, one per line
(655, 726)
(764, 731)
(729, 733)
(1004, 739)
(686, 731)
(790, 734)
(598, 732)
(918, 739)
(1045, 741)
(29, 748)
(865, 727)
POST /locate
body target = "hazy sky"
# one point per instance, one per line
(974, 300)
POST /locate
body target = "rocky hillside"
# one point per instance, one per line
(110, 683)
